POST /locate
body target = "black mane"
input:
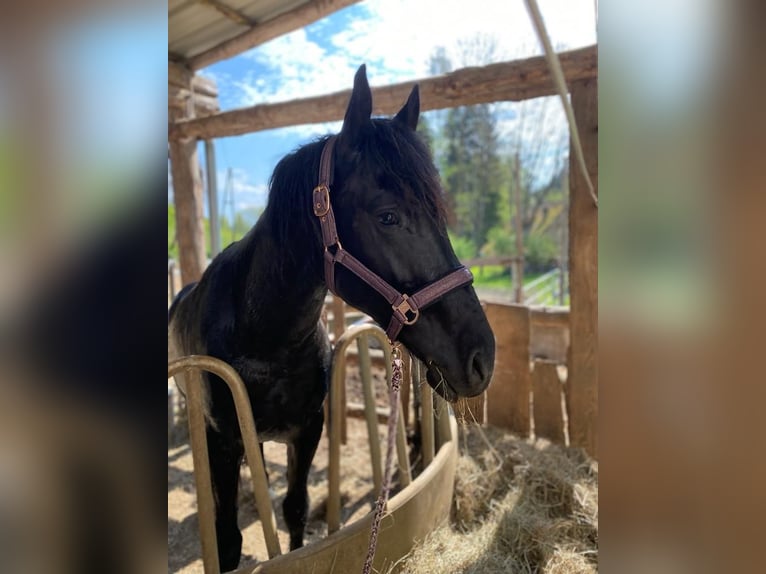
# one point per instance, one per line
(401, 161)
(288, 212)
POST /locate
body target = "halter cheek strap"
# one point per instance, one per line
(405, 308)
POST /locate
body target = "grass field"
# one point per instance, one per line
(497, 277)
(495, 280)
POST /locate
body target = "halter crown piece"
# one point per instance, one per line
(406, 308)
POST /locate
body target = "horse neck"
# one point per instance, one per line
(285, 289)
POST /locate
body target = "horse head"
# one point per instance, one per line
(390, 215)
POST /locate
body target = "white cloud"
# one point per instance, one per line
(299, 68)
(396, 39)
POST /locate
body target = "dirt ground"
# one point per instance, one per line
(357, 497)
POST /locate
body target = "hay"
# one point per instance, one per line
(521, 506)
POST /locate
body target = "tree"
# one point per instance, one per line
(468, 155)
(471, 167)
(537, 162)
(504, 170)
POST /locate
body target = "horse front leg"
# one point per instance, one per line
(226, 452)
(300, 453)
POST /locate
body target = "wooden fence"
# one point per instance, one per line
(529, 394)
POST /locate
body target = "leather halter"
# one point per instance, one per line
(406, 308)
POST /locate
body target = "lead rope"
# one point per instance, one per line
(380, 505)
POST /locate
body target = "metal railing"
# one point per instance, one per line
(360, 334)
(191, 367)
(548, 289)
(435, 431)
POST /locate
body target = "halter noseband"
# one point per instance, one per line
(406, 308)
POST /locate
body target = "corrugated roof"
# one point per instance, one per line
(195, 26)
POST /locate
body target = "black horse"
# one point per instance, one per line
(259, 302)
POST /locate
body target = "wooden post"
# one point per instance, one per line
(518, 264)
(582, 379)
(187, 196)
(503, 81)
(338, 327)
(508, 393)
(427, 421)
(547, 395)
(371, 416)
(562, 266)
(212, 198)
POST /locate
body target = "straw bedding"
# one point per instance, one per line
(520, 506)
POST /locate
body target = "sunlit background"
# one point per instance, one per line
(83, 153)
(483, 152)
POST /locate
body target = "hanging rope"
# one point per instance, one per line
(561, 86)
(380, 504)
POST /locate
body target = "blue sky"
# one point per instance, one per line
(395, 39)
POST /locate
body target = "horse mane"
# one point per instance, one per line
(405, 163)
(289, 211)
(397, 156)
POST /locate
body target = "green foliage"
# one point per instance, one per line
(464, 247)
(497, 277)
(424, 129)
(499, 242)
(243, 221)
(492, 184)
(540, 252)
(471, 169)
(172, 243)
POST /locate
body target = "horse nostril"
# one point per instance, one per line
(477, 368)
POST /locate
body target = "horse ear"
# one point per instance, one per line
(409, 114)
(359, 107)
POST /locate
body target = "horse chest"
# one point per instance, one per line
(284, 394)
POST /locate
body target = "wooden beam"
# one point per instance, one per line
(508, 393)
(212, 198)
(204, 86)
(547, 394)
(292, 20)
(204, 105)
(505, 81)
(234, 15)
(187, 197)
(182, 83)
(582, 378)
(179, 75)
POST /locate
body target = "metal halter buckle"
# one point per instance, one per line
(405, 307)
(318, 211)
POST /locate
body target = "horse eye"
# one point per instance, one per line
(388, 218)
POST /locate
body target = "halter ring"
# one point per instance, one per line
(405, 307)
